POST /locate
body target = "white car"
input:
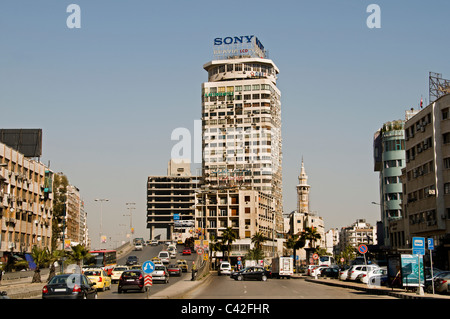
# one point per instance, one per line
(164, 256)
(224, 268)
(117, 272)
(360, 269)
(343, 274)
(316, 271)
(160, 274)
(138, 247)
(367, 277)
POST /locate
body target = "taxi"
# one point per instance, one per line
(183, 265)
(99, 277)
(117, 272)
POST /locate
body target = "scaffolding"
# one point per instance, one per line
(437, 86)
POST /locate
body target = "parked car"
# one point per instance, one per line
(187, 251)
(429, 280)
(160, 274)
(99, 277)
(164, 256)
(442, 282)
(316, 271)
(117, 272)
(183, 265)
(174, 269)
(69, 286)
(250, 273)
(330, 272)
(373, 276)
(224, 268)
(131, 280)
(359, 269)
(344, 273)
(310, 268)
(132, 260)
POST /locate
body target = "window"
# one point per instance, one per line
(444, 113)
(238, 67)
(446, 138)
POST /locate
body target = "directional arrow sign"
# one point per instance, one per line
(148, 267)
(148, 280)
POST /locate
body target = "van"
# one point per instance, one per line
(224, 268)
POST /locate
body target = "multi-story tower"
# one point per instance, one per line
(241, 118)
(303, 192)
(389, 157)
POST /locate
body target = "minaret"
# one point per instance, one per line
(303, 192)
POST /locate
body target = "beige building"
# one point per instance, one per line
(26, 203)
(360, 232)
(426, 178)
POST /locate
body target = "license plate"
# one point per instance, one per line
(130, 279)
(60, 289)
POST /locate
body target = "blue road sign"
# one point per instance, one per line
(363, 249)
(148, 267)
(418, 247)
(430, 243)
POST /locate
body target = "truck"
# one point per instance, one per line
(282, 267)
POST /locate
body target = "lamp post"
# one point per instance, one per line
(131, 217)
(101, 200)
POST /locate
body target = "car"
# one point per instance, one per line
(172, 252)
(131, 280)
(330, 272)
(117, 272)
(224, 268)
(358, 269)
(180, 242)
(310, 269)
(250, 273)
(442, 282)
(138, 246)
(183, 265)
(174, 269)
(316, 271)
(69, 286)
(132, 260)
(187, 251)
(99, 277)
(160, 274)
(154, 242)
(137, 266)
(344, 273)
(372, 276)
(164, 256)
(429, 280)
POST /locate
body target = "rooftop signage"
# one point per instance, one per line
(235, 46)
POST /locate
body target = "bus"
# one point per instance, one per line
(326, 261)
(105, 259)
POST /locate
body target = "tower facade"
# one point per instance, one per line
(241, 118)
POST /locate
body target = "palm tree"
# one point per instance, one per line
(54, 256)
(78, 254)
(40, 257)
(311, 234)
(295, 242)
(258, 239)
(228, 237)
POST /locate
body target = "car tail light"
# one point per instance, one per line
(45, 290)
(140, 277)
(99, 279)
(76, 288)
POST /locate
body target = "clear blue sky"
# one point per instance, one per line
(108, 95)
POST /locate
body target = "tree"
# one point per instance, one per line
(254, 254)
(258, 239)
(78, 254)
(228, 237)
(310, 234)
(40, 257)
(295, 242)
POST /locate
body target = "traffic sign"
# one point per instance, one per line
(148, 267)
(315, 256)
(418, 246)
(148, 280)
(363, 249)
(430, 243)
(199, 251)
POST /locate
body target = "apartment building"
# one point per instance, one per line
(426, 178)
(26, 203)
(360, 232)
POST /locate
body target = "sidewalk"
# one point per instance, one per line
(376, 290)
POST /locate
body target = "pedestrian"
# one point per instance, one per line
(194, 269)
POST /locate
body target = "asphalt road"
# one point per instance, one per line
(223, 287)
(148, 253)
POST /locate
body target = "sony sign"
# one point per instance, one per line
(238, 40)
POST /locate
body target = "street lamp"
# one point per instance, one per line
(131, 217)
(101, 200)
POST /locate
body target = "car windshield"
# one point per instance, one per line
(163, 255)
(159, 268)
(120, 269)
(93, 273)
